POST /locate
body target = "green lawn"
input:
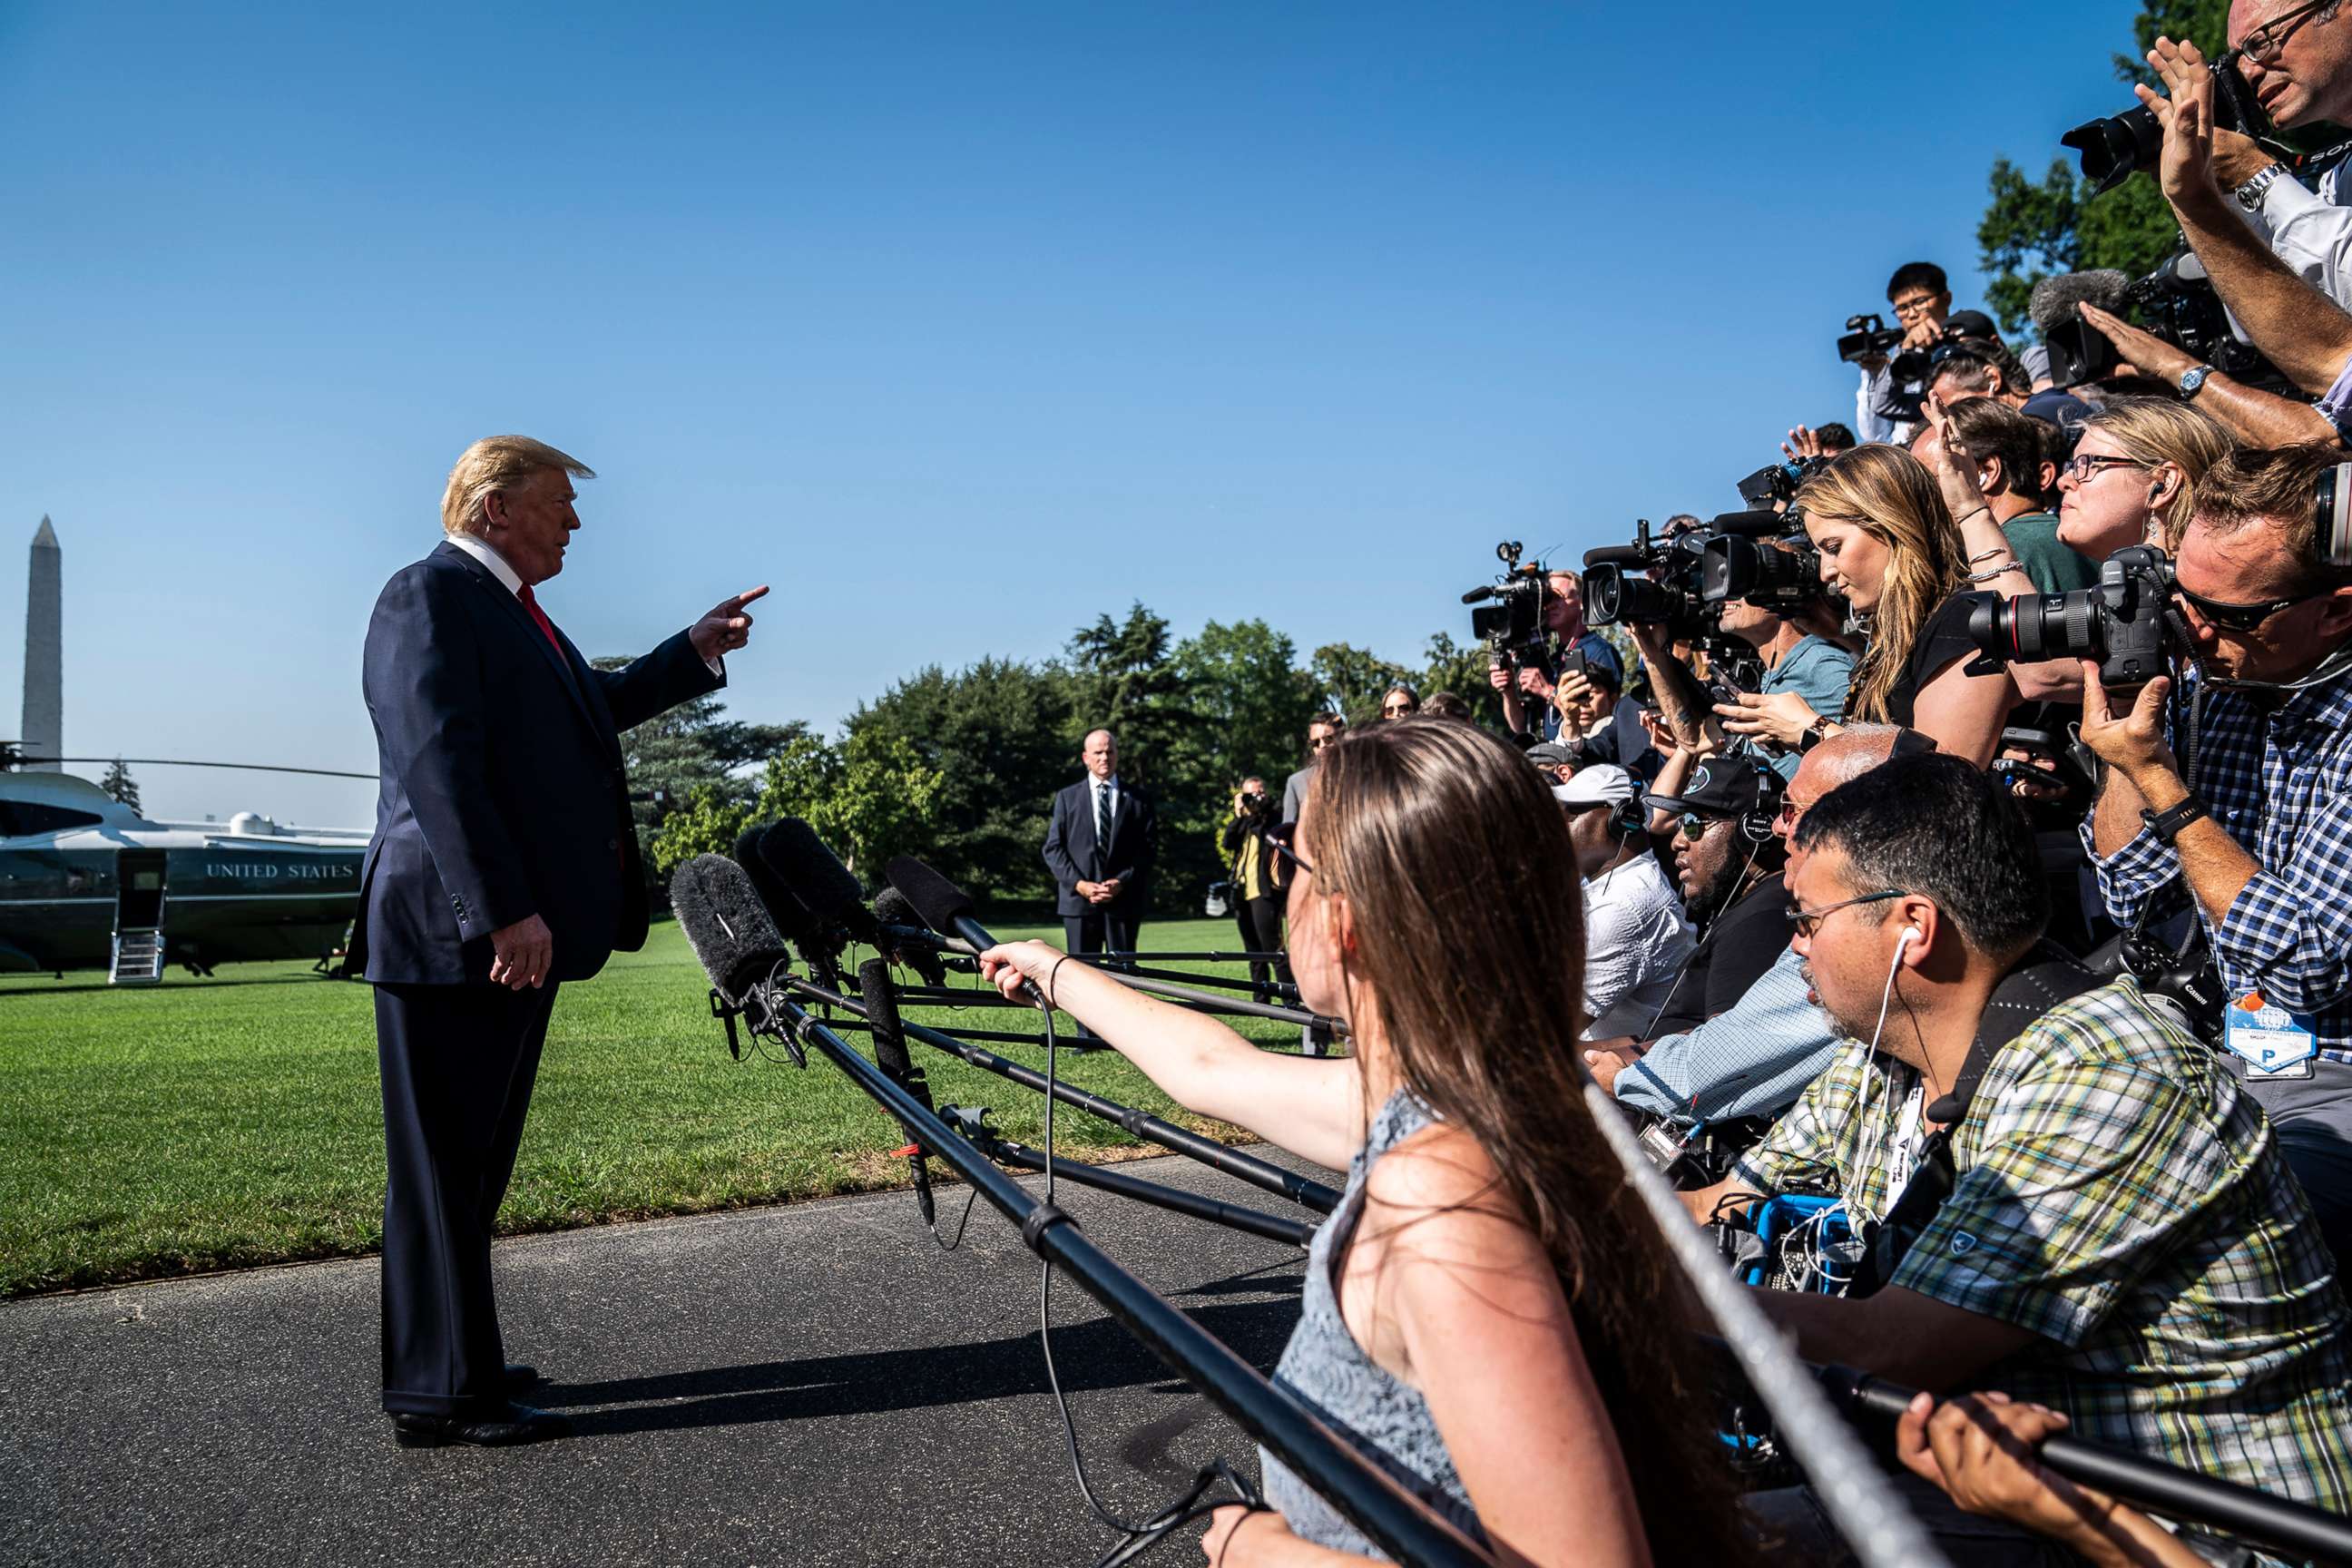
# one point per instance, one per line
(216, 1123)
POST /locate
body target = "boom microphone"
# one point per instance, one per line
(726, 924)
(1619, 556)
(828, 890)
(2079, 353)
(1474, 595)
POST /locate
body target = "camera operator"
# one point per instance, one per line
(1921, 298)
(1635, 938)
(1564, 619)
(1800, 660)
(1257, 902)
(1754, 1057)
(2093, 1198)
(2263, 841)
(1888, 544)
(2133, 477)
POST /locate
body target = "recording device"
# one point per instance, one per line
(2116, 146)
(2078, 352)
(2177, 303)
(1514, 629)
(1917, 366)
(2127, 622)
(736, 943)
(942, 906)
(1779, 482)
(1741, 560)
(1669, 595)
(828, 890)
(1867, 337)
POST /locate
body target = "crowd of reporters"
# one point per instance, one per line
(1964, 836)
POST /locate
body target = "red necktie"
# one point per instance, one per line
(530, 603)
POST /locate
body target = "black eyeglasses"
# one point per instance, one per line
(1807, 922)
(2084, 467)
(2232, 618)
(1280, 839)
(2264, 42)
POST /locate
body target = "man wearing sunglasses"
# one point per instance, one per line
(2263, 844)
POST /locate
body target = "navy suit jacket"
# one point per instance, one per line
(503, 793)
(1070, 849)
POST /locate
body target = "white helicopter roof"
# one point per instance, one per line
(74, 792)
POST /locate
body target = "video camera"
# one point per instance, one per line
(2116, 146)
(1669, 595)
(2127, 622)
(1867, 337)
(1514, 629)
(1762, 558)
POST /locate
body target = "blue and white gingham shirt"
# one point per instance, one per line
(2278, 780)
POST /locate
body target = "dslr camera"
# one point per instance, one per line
(2114, 147)
(1669, 594)
(2127, 622)
(1513, 628)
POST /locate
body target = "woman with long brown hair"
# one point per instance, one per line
(1888, 543)
(1488, 1305)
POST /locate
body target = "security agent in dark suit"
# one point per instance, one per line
(1100, 846)
(504, 861)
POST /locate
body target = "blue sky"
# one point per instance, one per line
(956, 323)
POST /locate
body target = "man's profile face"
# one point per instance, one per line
(1706, 866)
(2311, 77)
(1846, 958)
(529, 523)
(2253, 564)
(1101, 754)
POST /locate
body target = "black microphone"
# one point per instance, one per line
(891, 908)
(881, 999)
(945, 908)
(791, 918)
(828, 890)
(1619, 556)
(1474, 595)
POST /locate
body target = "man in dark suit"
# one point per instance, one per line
(504, 862)
(1100, 846)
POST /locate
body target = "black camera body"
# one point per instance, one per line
(1257, 803)
(2126, 622)
(2116, 146)
(1513, 628)
(1778, 482)
(1762, 558)
(2178, 303)
(1668, 595)
(1867, 337)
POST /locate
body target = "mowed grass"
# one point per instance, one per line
(208, 1124)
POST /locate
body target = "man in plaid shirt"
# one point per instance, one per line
(2263, 843)
(2122, 1241)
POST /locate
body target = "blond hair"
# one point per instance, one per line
(2153, 431)
(497, 463)
(1889, 494)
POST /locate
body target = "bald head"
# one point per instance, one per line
(1845, 756)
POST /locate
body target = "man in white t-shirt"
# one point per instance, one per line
(1636, 942)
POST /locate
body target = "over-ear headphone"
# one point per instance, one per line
(1629, 818)
(2332, 537)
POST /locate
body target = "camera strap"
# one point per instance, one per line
(2046, 977)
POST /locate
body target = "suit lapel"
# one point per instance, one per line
(520, 619)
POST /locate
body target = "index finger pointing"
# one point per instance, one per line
(748, 595)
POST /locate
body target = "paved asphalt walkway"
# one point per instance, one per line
(817, 1384)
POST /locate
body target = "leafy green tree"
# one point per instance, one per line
(705, 823)
(119, 785)
(2034, 228)
(1461, 669)
(692, 746)
(996, 737)
(1352, 680)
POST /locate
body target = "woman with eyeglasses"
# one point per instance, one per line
(2132, 478)
(1488, 1305)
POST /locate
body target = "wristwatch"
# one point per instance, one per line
(2250, 195)
(2167, 824)
(2193, 379)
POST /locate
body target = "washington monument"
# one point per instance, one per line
(44, 730)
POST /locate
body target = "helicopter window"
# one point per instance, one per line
(31, 816)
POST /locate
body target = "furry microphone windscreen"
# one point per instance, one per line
(725, 923)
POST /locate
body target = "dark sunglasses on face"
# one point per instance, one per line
(2233, 617)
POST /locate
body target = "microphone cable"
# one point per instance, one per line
(1135, 1537)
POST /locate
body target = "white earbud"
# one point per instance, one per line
(1905, 938)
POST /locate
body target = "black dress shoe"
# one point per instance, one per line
(520, 1375)
(515, 1423)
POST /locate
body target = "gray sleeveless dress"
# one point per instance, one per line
(1324, 1366)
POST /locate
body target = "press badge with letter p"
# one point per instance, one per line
(2271, 1041)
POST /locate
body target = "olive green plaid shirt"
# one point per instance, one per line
(2120, 1194)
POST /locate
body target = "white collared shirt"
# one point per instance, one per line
(2311, 231)
(482, 551)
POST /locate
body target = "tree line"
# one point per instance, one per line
(959, 766)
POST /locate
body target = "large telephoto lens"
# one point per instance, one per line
(1610, 596)
(2035, 627)
(2114, 147)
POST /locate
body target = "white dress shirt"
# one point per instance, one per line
(2311, 231)
(1636, 945)
(511, 580)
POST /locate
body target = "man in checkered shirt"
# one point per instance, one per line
(2263, 844)
(2122, 1242)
